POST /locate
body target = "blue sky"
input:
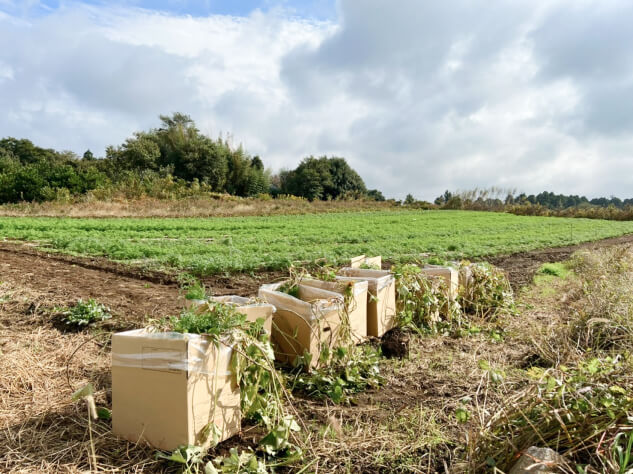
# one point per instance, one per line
(318, 9)
(419, 96)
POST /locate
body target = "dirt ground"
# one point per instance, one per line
(521, 267)
(409, 420)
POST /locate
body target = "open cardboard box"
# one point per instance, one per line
(305, 324)
(252, 308)
(169, 388)
(381, 304)
(356, 305)
(362, 260)
(450, 275)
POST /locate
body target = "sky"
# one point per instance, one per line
(418, 96)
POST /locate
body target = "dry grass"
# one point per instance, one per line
(222, 206)
(41, 429)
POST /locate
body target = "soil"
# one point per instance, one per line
(131, 293)
(521, 267)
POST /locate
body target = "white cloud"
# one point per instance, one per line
(419, 98)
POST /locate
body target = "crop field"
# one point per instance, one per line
(206, 246)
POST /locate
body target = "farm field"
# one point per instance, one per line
(206, 246)
(423, 418)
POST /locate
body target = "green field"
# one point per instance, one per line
(211, 245)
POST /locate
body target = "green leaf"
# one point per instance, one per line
(104, 414)
(462, 415)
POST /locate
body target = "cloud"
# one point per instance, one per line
(418, 96)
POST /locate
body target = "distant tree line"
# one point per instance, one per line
(498, 198)
(174, 154)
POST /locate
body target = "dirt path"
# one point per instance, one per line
(521, 267)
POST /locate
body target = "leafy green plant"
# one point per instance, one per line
(486, 291)
(350, 370)
(423, 301)
(196, 291)
(85, 313)
(187, 244)
(216, 319)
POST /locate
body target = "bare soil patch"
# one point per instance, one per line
(521, 267)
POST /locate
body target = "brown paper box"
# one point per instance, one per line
(357, 308)
(304, 324)
(252, 309)
(450, 275)
(164, 386)
(381, 304)
(357, 262)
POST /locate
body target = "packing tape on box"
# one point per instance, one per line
(192, 360)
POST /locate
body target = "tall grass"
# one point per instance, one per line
(582, 406)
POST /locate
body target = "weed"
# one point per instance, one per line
(570, 409)
(196, 291)
(85, 313)
(554, 269)
(604, 320)
(351, 370)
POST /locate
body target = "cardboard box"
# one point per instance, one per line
(358, 262)
(253, 309)
(169, 388)
(450, 275)
(357, 304)
(381, 304)
(305, 324)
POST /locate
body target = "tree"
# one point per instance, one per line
(409, 200)
(88, 156)
(322, 178)
(375, 195)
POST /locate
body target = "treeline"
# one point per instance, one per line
(543, 204)
(173, 160)
(498, 197)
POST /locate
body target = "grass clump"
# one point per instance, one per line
(557, 269)
(581, 411)
(196, 291)
(85, 313)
